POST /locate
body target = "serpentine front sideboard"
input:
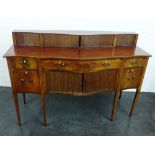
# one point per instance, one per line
(76, 63)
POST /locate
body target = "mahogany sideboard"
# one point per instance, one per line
(76, 63)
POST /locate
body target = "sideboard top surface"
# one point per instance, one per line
(75, 53)
(74, 45)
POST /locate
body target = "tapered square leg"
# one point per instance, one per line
(120, 94)
(43, 103)
(115, 104)
(24, 98)
(134, 102)
(15, 97)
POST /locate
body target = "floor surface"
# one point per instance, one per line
(72, 115)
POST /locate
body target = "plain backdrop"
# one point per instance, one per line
(135, 16)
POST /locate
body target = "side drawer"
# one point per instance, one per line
(109, 64)
(58, 65)
(26, 80)
(25, 63)
(137, 62)
(131, 77)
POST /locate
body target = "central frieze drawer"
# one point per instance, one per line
(81, 66)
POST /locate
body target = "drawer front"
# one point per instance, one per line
(137, 62)
(81, 66)
(131, 77)
(25, 63)
(108, 64)
(26, 80)
(90, 66)
(59, 65)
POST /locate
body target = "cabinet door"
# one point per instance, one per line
(104, 80)
(64, 82)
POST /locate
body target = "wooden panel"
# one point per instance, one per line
(64, 82)
(131, 77)
(100, 39)
(126, 40)
(25, 63)
(97, 40)
(99, 81)
(137, 62)
(26, 80)
(60, 40)
(26, 39)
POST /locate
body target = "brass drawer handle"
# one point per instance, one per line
(59, 64)
(22, 80)
(25, 81)
(134, 63)
(132, 78)
(106, 63)
(25, 63)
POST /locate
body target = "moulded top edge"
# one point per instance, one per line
(76, 32)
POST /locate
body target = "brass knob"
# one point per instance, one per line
(22, 80)
(59, 64)
(106, 63)
(24, 63)
(134, 63)
(26, 81)
(131, 78)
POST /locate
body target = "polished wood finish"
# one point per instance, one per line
(139, 62)
(104, 40)
(15, 97)
(60, 40)
(63, 82)
(126, 40)
(131, 77)
(134, 102)
(100, 81)
(75, 63)
(25, 63)
(58, 65)
(74, 39)
(26, 80)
